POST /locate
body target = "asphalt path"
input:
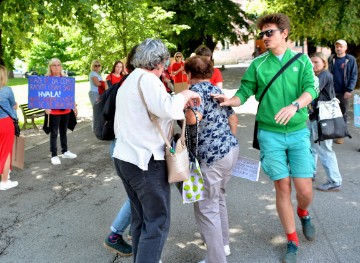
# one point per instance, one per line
(63, 213)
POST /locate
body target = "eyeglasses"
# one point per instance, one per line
(97, 66)
(269, 32)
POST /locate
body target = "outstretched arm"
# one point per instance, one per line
(225, 101)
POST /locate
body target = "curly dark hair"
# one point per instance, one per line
(200, 67)
(281, 20)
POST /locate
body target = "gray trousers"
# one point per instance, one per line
(211, 213)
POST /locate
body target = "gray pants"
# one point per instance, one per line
(211, 213)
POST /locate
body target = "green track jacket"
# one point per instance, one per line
(296, 79)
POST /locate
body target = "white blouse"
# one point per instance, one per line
(137, 138)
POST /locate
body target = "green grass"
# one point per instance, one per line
(17, 81)
(24, 81)
(38, 122)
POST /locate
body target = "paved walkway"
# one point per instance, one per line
(63, 213)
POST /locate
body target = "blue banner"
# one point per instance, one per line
(357, 110)
(46, 92)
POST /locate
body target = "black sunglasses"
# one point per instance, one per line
(269, 32)
(97, 66)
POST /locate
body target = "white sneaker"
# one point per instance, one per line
(227, 250)
(9, 184)
(69, 155)
(55, 160)
(202, 261)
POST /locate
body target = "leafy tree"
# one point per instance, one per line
(208, 21)
(124, 24)
(19, 19)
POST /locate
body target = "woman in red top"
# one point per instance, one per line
(216, 78)
(177, 70)
(117, 73)
(58, 119)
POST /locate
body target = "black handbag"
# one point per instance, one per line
(255, 139)
(46, 126)
(15, 121)
(331, 123)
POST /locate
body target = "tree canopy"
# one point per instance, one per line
(78, 32)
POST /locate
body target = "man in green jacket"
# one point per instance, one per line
(283, 135)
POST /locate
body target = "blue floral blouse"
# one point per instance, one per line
(215, 139)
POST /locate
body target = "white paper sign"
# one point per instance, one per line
(247, 168)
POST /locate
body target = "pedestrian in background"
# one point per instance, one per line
(7, 130)
(323, 149)
(218, 152)
(216, 78)
(117, 73)
(139, 151)
(178, 72)
(58, 119)
(283, 136)
(345, 74)
(96, 83)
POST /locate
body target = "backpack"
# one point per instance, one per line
(104, 113)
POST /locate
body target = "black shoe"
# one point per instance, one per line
(120, 246)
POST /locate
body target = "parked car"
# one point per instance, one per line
(31, 73)
(70, 73)
(18, 73)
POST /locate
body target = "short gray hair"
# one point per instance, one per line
(150, 54)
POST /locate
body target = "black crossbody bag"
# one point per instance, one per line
(255, 139)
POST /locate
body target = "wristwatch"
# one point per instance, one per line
(296, 104)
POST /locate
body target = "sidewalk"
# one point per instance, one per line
(61, 214)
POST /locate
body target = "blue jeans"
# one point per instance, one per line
(122, 220)
(149, 192)
(326, 155)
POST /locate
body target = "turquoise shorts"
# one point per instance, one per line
(286, 154)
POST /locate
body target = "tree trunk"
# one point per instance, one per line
(311, 46)
(2, 62)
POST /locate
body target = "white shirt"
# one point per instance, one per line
(137, 138)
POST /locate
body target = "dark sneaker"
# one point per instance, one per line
(329, 187)
(291, 253)
(308, 228)
(120, 247)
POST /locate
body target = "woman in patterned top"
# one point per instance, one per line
(217, 153)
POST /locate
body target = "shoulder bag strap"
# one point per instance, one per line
(154, 118)
(196, 133)
(278, 74)
(6, 112)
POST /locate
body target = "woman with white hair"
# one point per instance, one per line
(139, 152)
